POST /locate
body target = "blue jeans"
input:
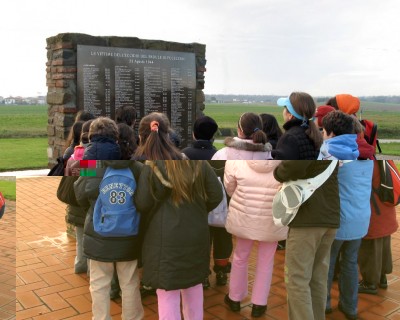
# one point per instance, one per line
(348, 277)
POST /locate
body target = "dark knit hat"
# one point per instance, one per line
(204, 128)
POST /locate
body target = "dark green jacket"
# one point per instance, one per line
(176, 247)
(322, 209)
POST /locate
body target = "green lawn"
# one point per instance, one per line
(23, 121)
(7, 188)
(23, 131)
(24, 153)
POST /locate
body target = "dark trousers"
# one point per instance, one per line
(221, 241)
(375, 259)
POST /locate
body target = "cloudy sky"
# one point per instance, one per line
(252, 46)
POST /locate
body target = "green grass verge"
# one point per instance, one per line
(27, 153)
(7, 188)
(23, 121)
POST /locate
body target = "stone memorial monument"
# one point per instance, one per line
(102, 74)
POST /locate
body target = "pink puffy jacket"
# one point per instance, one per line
(252, 187)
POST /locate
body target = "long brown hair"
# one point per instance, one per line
(155, 143)
(305, 106)
(185, 179)
(251, 125)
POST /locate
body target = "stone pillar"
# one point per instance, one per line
(61, 76)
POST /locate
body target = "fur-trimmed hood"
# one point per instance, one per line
(247, 145)
(241, 149)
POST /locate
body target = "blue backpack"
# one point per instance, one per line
(115, 213)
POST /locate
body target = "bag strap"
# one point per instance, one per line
(320, 179)
(308, 186)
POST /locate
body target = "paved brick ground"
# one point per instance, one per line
(7, 262)
(47, 288)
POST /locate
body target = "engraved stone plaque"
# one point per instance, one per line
(149, 80)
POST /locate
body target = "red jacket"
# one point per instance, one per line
(385, 223)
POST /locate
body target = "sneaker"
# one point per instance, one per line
(147, 291)
(368, 288)
(383, 282)
(206, 283)
(257, 311)
(222, 278)
(348, 316)
(233, 305)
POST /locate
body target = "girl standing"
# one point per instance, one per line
(250, 144)
(302, 139)
(252, 186)
(175, 197)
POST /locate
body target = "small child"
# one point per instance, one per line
(202, 148)
(340, 141)
(250, 143)
(155, 142)
(103, 136)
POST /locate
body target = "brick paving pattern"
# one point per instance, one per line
(47, 287)
(7, 262)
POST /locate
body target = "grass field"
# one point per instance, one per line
(23, 153)
(23, 121)
(8, 189)
(23, 131)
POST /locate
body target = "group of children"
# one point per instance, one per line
(174, 198)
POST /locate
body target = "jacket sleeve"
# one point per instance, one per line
(289, 170)
(86, 189)
(144, 199)
(213, 187)
(230, 181)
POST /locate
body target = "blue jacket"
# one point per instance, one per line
(343, 147)
(355, 179)
(102, 148)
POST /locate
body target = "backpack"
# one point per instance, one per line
(115, 214)
(371, 133)
(2, 205)
(388, 190)
(58, 169)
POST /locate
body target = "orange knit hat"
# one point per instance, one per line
(347, 103)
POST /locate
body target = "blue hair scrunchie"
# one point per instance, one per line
(305, 123)
(256, 129)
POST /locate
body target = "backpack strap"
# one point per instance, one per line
(374, 203)
(378, 146)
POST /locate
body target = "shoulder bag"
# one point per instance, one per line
(293, 194)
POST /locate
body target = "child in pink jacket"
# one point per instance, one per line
(252, 187)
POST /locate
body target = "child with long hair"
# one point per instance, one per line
(154, 140)
(126, 141)
(271, 128)
(250, 144)
(302, 139)
(175, 197)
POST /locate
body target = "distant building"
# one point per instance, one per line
(9, 100)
